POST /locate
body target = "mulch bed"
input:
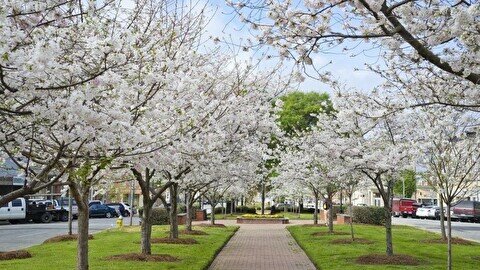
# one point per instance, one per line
(193, 232)
(381, 259)
(167, 240)
(327, 233)
(349, 241)
(455, 240)
(14, 255)
(144, 258)
(212, 225)
(65, 237)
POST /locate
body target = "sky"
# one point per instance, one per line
(347, 69)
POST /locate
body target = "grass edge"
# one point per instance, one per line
(221, 247)
(302, 247)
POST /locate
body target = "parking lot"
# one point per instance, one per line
(465, 230)
(20, 236)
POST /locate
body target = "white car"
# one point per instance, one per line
(429, 211)
(128, 208)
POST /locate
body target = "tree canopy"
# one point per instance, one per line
(299, 110)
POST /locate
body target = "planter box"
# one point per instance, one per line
(182, 219)
(262, 220)
(201, 215)
(343, 219)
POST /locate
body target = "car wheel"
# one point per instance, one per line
(108, 215)
(46, 217)
(64, 217)
(127, 214)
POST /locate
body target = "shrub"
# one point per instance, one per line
(219, 210)
(369, 215)
(246, 209)
(159, 216)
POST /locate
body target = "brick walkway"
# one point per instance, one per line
(261, 247)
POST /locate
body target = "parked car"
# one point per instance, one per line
(129, 209)
(119, 208)
(62, 203)
(101, 210)
(90, 203)
(404, 207)
(466, 211)
(428, 211)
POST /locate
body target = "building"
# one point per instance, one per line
(11, 177)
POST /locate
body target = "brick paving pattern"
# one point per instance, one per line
(262, 247)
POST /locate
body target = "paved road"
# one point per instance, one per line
(465, 230)
(261, 247)
(13, 237)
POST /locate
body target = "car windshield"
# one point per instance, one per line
(64, 201)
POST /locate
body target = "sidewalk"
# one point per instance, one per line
(261, 247)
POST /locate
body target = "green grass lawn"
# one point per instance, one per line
(111, 242)
(406, 240)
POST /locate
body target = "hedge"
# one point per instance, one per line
(159, 216)
(246, 209)
(369, 215)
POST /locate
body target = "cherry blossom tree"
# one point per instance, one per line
(52, 55)
(311, 27)
(368, 140)
(450, 149)
(309, 163)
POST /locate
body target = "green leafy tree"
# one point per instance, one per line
(407, 177)
(299, 110)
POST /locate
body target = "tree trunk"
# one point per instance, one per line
(81, 197)
(442, 220)
(212, 215)
(388, 230)
(82, 243)
(315, 212)
(173, 211)
(231, 207)
(190, 214)
(341, 201)
(70, 214)
(146, 229)
(350, 210)
(330, 214)
(449, 238)
(263, 198)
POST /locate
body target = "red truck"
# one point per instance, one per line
(404, 207)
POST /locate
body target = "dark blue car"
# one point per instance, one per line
(101, 210)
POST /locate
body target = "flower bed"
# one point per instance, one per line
(262, 219)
